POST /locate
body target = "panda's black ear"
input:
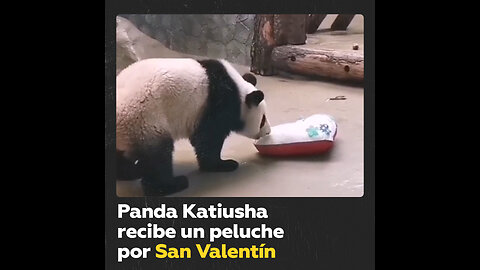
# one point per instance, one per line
(249, 77)
(254, 98)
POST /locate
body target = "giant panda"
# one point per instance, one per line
(161, 100)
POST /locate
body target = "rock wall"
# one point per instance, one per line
(134, 45)
(227, 36)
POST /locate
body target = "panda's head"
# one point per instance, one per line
(253, 110)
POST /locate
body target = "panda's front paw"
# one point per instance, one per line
(178, 183)
(228, 165)
(220, 166)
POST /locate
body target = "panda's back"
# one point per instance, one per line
(160, 96)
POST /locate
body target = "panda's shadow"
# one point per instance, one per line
(313, 158)
(201, 184)
(252, 169)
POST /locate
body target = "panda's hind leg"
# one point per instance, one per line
(157, 170)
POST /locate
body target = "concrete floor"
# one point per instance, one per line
(336, 174)
(339, 40)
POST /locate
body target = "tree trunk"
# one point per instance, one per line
(271, 31)
(346, 66)
(289, 29)
(262, 45)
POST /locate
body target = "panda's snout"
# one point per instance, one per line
(263, 132)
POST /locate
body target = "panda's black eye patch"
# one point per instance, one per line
(264, 119)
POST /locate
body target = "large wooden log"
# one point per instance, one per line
(262, 45)
(342, 65)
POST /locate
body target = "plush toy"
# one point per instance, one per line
(311, 136)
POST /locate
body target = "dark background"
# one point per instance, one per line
(320, 233)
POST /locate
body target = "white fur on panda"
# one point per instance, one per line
(167, 97)
(159, 97)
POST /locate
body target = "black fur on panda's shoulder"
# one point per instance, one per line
(221, 116)
(222, 111)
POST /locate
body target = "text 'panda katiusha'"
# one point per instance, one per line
(165, 99)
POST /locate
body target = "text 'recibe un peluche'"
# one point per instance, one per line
(205, 251)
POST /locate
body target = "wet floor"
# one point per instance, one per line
(336, 174)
